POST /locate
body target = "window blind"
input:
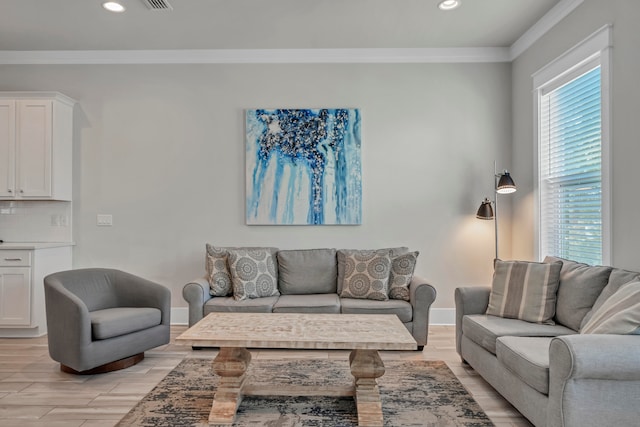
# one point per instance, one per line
(570, 169)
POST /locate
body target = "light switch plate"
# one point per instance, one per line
(105, 220)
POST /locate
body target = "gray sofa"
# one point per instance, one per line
(309, 281)
(552, 374)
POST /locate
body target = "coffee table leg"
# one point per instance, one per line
(366, 366)
(231, 365)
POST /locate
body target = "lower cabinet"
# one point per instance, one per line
(22, 306)
(15, 296)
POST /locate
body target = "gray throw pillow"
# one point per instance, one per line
(620, 313)
(253, 273)
(402, 268)
(524, 290)
(366, 275)
(579, 288)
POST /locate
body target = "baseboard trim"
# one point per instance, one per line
(442, 316)
(179, 315)
(439, 316)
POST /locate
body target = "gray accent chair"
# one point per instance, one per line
(101, 320)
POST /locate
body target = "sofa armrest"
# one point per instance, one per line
(469, 300)
(421, 296)
(196, 293)
(594, 380)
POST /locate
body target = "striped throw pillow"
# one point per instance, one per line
(525, 290)
(619, 314)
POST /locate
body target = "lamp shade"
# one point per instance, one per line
(485, 211)
(506, 184)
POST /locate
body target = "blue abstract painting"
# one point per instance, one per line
(303, 166)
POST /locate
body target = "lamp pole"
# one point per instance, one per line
(496, 177)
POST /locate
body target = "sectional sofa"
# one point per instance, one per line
(581, 368)
(324, 280)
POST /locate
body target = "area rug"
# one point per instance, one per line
(413, 393)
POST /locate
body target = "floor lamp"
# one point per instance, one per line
(503, 184)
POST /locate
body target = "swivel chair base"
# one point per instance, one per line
(107, 367)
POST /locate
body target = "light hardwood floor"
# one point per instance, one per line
(33, 391)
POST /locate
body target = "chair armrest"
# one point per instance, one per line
(196, 293)
(68, 321)
(594, 380)
(134, 291)
(421, 296)
(469, 300)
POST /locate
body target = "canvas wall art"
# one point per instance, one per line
(303, 166)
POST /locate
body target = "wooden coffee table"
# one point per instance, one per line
(363, 334)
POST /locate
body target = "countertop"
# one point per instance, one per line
(33, 245)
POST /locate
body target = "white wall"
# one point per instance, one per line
(161, 148)
(591, 15)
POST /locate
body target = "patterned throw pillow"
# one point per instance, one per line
(525, 290)
(253, 273)
(366, 275)
(342, 253)
(220, 284)
(402, 268)
(619, 314)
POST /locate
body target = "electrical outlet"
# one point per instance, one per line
(105, 220)
(59, 220)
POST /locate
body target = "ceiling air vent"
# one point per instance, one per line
(157, 4)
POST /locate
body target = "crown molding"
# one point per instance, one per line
(256, 56)
(540, 28)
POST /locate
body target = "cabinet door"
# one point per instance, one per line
(33, 148)
(15, 296)
(7, 148)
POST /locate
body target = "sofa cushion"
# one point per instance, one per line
(402, 268)
(527, 358)
(366, 275)
(524, 290)
(310, 271)
(113, 322)
(620, 314)
(253, 272)
(484, 329)
(617, 278)
(580, 286)
(318, 303)
(230, 304)
(340, 255)
(366, 306)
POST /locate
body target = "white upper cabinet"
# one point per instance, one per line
(36, 132)
(7, 148)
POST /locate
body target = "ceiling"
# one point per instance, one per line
(265, 24)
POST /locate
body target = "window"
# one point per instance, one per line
(572, 165)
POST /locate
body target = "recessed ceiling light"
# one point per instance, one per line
(113, 6)
(449, 4)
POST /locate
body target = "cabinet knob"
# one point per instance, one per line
(10, 191)
(22, 191)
